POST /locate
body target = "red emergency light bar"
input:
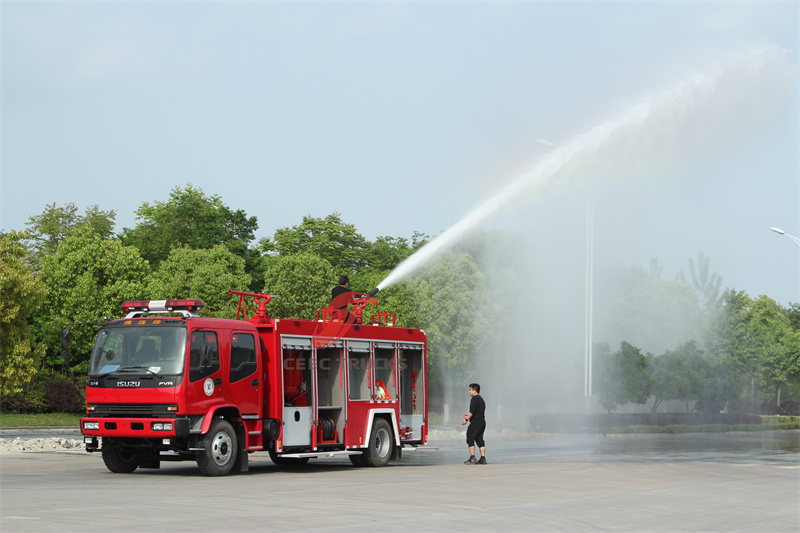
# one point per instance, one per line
(162, 306)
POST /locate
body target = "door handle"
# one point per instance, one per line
(218, 381)
(254, 382)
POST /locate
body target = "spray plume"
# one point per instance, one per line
(739, 92)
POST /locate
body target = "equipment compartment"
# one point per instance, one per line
(412, 385)
(330, 395)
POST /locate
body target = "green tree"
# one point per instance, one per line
(385, 253)
(190, 218)
(20, 292)
(658, 314)
(328, 238)
(776, 343)
(793, 312)
(721, 383)
(447, 295)
(301, 284)
(677, 375)
(204, 274)
(731, 336)
(624, 378)
(87, 279)
(55, 224)
(706, 283)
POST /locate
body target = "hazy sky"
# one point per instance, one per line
(405, 116)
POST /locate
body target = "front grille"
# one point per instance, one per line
(134, 410)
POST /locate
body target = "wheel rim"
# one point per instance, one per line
(382, 442)
(221, 448)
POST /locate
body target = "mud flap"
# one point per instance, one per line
(242, 462)
(397, 453)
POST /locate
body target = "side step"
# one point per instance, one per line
(320, 454)
(417, 449)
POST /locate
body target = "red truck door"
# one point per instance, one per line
(205, 374)
(245, 384)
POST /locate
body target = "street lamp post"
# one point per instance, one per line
(779, 230)
(588, 318)
(795, 239)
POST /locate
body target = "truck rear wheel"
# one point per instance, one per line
(120, 460)
(220, 448)
(380, 446)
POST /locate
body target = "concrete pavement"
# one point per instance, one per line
(74, 492)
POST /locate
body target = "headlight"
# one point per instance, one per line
(89, 426)
(161, 426)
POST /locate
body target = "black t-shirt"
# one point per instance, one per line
(478, 408)
(339, 289)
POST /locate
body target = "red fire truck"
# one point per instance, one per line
(165, 384)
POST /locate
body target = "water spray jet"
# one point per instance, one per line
(643, 129)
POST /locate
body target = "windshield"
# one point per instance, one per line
(139, 350)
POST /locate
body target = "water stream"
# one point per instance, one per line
(665, 124)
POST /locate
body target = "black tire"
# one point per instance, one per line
(381, 442)
(286, 461)
(120, 460)
(357, 460)
(221, 447)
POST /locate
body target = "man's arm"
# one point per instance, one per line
(467, 416)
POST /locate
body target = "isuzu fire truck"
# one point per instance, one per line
(165, 384)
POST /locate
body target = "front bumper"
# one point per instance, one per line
(135, 427)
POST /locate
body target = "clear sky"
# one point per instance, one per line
(401, 117)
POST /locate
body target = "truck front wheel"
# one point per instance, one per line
(120, 460)
(380, 446)
(220, 448)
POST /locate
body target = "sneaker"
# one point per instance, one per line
(470, 461)
(481, 461)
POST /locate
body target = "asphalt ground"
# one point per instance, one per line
(538, 484)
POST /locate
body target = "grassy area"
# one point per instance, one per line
(34, 420)
(68, 419)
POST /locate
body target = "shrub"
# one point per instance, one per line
(16, 404)
(63, 397)
(770, 409)
(791, 407)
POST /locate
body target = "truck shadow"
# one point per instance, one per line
(189, 469)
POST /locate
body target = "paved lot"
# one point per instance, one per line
(74, 492)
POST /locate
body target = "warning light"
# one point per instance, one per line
(189, 307)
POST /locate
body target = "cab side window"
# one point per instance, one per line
(203, 355)
(243, 356)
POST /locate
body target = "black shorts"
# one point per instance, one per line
(475, 433)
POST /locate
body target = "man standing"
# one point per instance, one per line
(477, 425)
(342, 288)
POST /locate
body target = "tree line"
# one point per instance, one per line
(66, 267)
(749, 362)
(70, 268)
